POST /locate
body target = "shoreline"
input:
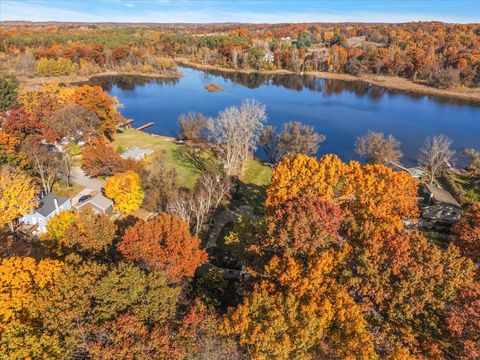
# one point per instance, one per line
(388, 82)
(35, 82)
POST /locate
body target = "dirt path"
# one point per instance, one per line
(389, 82)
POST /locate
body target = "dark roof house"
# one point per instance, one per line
(49, 206)
(439, 205)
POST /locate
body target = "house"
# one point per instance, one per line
(439, 206)
(50, 205)
(136, 153)
(268, 57)
(94, 200)
(415, 172)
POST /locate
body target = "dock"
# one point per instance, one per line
(128, 123)
(147, 125)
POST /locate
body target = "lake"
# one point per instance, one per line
(341, 110)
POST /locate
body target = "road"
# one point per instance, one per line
(79, 177)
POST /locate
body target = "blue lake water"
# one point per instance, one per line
(340, 110)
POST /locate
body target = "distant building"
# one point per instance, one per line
(439, 206)
(50, 205)
(269, 57)
(136, 153)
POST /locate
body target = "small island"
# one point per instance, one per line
(213, 87)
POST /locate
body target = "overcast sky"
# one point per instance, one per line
(207, 11)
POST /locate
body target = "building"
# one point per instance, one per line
(415, 172)
(438, 206)
(136, 153)
(50, 205)
(95, 201)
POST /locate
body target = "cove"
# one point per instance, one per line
(341, 110)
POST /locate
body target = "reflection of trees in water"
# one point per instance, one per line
(129, 82)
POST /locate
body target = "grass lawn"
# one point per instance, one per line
(253, 185)
(470, 185)
(188, 165)
(61, 189)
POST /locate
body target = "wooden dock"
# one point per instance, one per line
(128, 123)
(147, 125)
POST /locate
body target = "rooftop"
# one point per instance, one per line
(98, 200)
(47, 204)
(136, 152)
(441, 196)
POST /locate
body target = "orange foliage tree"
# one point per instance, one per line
(164, 243)
(104, 105)
(303, 175)
(298, 311)
(467, 232)
(10, 152)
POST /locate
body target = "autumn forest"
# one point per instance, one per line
(118, 243)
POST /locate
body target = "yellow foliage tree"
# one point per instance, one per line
(17, 195)
(21, 281)
(125, 189)
(58, 226)
(20, 278)
(298, 311)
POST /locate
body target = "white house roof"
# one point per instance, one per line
(97, 200)
(136, 152)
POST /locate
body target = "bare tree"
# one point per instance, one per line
(295, 138)
(269, 141)
(46, 162)
(160, 184)
(379, 149)
(436, 155)
(235, 133)
(191, 125)
(74, 122)
(197, 207)
(474, 166)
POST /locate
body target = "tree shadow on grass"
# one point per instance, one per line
(192, 159)
(251, 194)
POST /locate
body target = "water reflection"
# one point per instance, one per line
(129, 82)
(327, 87)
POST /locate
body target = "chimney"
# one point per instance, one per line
(56, 205)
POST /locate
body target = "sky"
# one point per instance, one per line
(243, 11)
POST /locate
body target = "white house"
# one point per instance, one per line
(95, 201)
(136, 153)
(50, 205)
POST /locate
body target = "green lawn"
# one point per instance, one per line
(253, 186)
(470, 185)
(188, 165)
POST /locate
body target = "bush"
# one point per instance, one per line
(445, 78)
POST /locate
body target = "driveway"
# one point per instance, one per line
(79, 177)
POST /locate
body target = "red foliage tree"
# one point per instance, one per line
(303, 223)
(22, 124)
(163, 243)
(100, 159)
(463, 322)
